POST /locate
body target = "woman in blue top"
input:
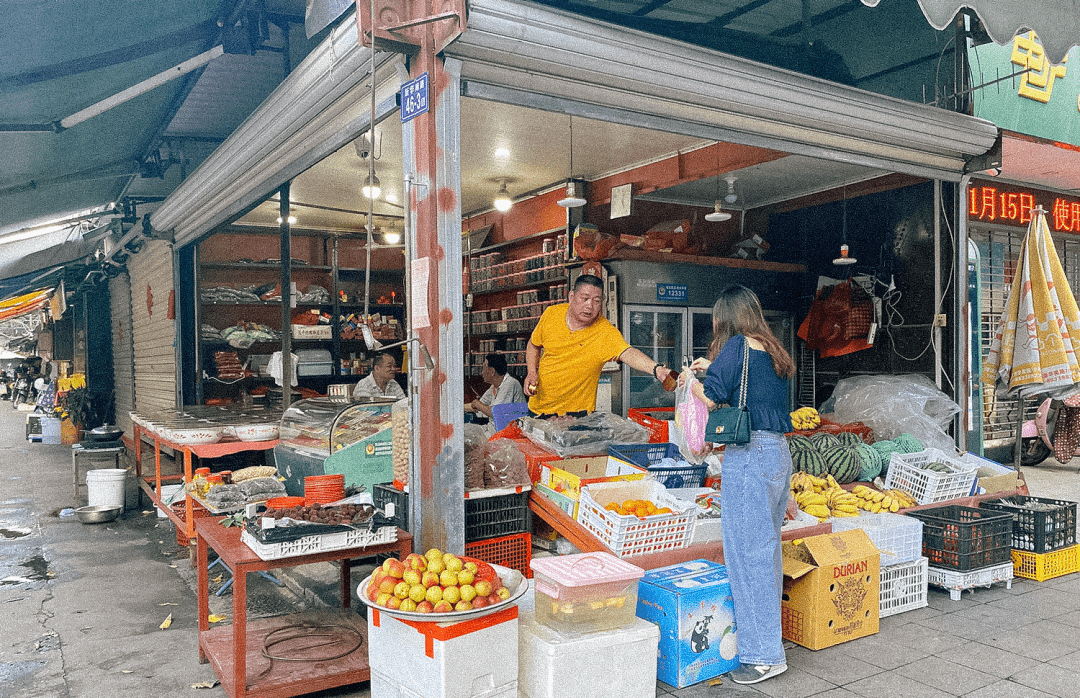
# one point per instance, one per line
(756, 476)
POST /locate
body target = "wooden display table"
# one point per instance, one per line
(232, 649)
(152, 484)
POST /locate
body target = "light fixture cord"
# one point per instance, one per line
(371, 176)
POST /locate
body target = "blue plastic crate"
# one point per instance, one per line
(649, 455)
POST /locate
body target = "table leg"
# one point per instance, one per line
(75, 467)
(239, 629)
(138, 450)
(204, 591)
(190, 525)
(346, 584)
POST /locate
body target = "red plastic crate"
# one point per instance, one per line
(513, 551)
(655, 419)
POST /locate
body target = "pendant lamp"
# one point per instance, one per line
(502, 201)
(575, 189)
(718, 214)
(844, 259)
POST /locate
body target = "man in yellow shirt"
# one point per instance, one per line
(569, 347)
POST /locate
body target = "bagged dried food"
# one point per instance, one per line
(262, 486)
(506, 466)
(253, 472)
(475, 457)
(583, 436)
(226, 495)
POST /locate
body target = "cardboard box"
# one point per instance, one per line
(567, 504)
(992, 477)
(692, 604)
(570, 475)
(831, 585)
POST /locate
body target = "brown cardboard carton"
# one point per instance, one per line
(830, 589)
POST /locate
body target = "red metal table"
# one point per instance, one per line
(231, 650)
(152, 484)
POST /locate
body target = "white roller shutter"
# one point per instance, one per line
(123, 352)
(153, 333)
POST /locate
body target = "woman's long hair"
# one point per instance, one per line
(738, 311)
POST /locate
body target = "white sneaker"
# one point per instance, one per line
(750, 673)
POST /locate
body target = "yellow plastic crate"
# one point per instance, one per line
(1043, 566)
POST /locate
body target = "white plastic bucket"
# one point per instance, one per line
(105, 487)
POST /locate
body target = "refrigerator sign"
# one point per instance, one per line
(672, 293)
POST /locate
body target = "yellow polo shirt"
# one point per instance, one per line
(571, 361)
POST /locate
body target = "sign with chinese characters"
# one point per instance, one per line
(1018, 89)
(414, 97)
(672, 293)
(1008, 205)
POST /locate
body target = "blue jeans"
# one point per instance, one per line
(754, 491)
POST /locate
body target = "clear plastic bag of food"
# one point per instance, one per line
(475, 457)
(401, 438)
(506, 466)
(583, 436)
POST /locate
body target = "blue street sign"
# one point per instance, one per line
(672, 293)
(414, 98)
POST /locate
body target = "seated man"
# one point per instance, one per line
(503, 388)
(380, 382)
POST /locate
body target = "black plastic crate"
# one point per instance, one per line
(485, 517)
(965, 538)
(1044, 530)
(649, 455)
(388, 494)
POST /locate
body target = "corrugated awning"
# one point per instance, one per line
(1055, 22)
(26, 303)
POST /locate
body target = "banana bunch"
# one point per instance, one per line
(805, 419)
(822, 496)
(873, 501)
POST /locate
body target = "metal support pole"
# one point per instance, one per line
(286, 296)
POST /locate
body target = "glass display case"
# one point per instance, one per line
(340, 435)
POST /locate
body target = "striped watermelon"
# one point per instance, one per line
(798, 442)
(808, 460)
(823, 440)
(843, 462)
(848, 438)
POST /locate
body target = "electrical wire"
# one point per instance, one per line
(336, 632)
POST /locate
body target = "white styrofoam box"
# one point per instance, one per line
(898, 537)
(709, 530)
(902, 587)
(609, 663)
(472, 658)
(386, 687)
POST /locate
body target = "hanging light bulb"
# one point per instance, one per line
(844, 259)
(391, 237)
(502, 201)
(574, 195)
(718, 213)
(371, 189)
(731, 197)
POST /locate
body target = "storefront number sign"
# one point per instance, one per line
(672, 293)
(414, 97)
(1012, 206)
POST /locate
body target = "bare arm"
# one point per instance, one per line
(532, 362)
(481, 408)
(636, 359)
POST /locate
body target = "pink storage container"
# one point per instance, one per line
(585, 593)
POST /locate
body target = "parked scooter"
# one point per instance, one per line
(21, 391)
(1037, 435)
(5, 386)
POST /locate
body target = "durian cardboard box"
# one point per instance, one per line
(830, 589)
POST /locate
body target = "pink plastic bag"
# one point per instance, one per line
(691, 414)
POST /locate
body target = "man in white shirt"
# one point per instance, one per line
(503, 388)
(380, 382)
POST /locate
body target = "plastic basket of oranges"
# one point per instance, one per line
(637, 517)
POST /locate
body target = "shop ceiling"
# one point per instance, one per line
(68, 149)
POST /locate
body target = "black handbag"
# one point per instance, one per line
(731, 425)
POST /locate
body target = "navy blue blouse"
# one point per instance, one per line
(767, 397)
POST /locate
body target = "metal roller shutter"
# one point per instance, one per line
(153, 333)
(123, 356)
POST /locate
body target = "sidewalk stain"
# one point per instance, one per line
(9, 671)
(14, 532)
(38, 571)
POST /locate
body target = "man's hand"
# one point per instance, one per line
(700, 365)
(532, 380)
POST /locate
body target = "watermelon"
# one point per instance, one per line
(848, 438)
(808, 460)
(843, 462)
(871, 463)
(797, 442)
(823, 440)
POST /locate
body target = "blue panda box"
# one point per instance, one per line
(691, 603)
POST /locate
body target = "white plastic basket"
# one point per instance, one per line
(898, 537)
(319, 544)
(902, 587)
(629, 535)
(929, 486)
(956, 582)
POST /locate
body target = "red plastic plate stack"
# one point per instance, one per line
(323, 489)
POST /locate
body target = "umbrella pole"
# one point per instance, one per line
(1018, 451)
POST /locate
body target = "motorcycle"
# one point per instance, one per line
(21, 392)
(1037, 435)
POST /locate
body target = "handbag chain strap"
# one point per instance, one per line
(745, 372)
